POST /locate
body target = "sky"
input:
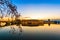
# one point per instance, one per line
(39, 9)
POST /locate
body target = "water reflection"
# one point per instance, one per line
(14, 32)
(42, 32)
(10, 33)
(53, 28)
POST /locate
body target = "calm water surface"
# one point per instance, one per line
(42, 29)
(31, 32)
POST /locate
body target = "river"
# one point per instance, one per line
(31, 32)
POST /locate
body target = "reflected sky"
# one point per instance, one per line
(52, 29)
(36, 32)
(42, 32)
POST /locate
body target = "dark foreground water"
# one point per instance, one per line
(31, 33)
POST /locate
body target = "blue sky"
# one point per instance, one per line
(38, 8)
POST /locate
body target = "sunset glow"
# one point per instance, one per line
(41, 9)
